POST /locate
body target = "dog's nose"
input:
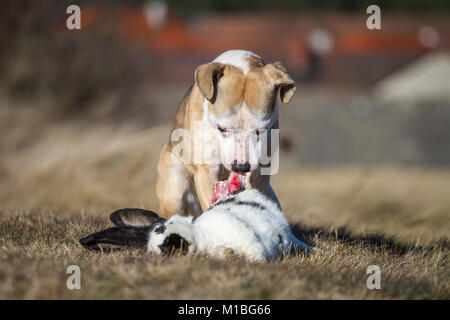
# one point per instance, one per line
(241, 167)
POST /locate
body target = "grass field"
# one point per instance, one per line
(62, 182)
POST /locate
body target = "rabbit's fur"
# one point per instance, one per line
(246, 224)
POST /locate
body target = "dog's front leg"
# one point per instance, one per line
(172, 183)
(204, 187)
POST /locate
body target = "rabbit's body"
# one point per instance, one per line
(247, 224)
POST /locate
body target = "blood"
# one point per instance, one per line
(235, 183)
(223, 189)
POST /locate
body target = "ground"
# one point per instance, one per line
(37, 245)
(60, 181)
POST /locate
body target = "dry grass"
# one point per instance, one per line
(62, 185)
(38, 246)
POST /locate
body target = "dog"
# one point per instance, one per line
(245, 224)
(232, 103)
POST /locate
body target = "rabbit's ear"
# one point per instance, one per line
(135, 217)
(117, 238)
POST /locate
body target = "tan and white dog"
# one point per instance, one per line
(229, 111)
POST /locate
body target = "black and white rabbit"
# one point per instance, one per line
(246, 224)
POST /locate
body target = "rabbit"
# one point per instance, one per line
(246, 224)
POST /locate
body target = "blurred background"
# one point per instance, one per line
(84, 113)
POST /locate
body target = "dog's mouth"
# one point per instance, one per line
(234, 183)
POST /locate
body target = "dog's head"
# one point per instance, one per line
(240, 103)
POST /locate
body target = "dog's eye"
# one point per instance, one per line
(221, 129)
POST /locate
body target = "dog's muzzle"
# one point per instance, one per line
(240, 167)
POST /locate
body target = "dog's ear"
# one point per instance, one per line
(134, 217)
(206, 77)
(117, 238)
(281, 80)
